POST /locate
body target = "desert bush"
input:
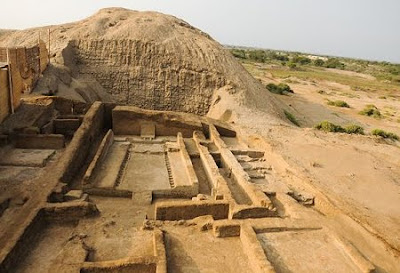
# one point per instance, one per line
(291, 118)
(282, 58)
(280, 89)
(338, 103)
(238, 53)
(257, 55)
(384, 134)
(371, 111)
(319, 62)
(272, 55)
(393, 69)
(334, 63)
(327, 126)
(354, 129)
(301, 60)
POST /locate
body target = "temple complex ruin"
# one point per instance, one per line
(122, 189)
(160, 178)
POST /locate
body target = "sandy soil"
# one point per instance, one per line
(359, 174)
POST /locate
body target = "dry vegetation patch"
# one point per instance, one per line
(371, 110)
(384, 134)
(338, 103)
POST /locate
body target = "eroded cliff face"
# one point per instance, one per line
(146, 59)
(146, 75)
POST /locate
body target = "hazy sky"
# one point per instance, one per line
(368, 29)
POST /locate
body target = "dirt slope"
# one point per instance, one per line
(146, 59)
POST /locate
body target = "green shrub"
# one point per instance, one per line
(319, 62)
(238, 53)
(338, 103)
(301, 60)
(257, 55)
(327, 126)
(271, 55)
(282, 58)
(354, 129)
(384, 134)
(292, 65)
(334, 63)
(370, 110)
(280, 89)
(292, 118)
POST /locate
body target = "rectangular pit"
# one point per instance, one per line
(189, 251)
(145, 170)
(306, 251)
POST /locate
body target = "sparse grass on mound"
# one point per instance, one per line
(292, 118)
(371, 110)
(384, 134)
(354, 129)
(327, 126)
(280, 89)
(338, 103)
(356, 83)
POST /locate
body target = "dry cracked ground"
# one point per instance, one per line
(225, 183)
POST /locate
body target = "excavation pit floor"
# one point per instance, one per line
(192, 252)
(124, 199)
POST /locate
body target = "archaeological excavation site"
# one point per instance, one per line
(132, 142)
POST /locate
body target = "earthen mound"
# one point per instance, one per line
(145, 59)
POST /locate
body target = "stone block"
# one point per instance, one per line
(73, 195)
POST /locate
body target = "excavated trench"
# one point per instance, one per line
(144, 74)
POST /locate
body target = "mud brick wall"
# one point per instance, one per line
(146, 75)
(25, 66)
(128, 119)
(4, 95)
(83, 141)
(177, 210)
(3, 54)
(43, 55)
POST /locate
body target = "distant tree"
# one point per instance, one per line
(283, 58)
(301, 60)
(334, 63)
(393, 69)
(319, 62)
(271, 55)
(239, 53)
(257, 55)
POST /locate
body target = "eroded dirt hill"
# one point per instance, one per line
(146, 59)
